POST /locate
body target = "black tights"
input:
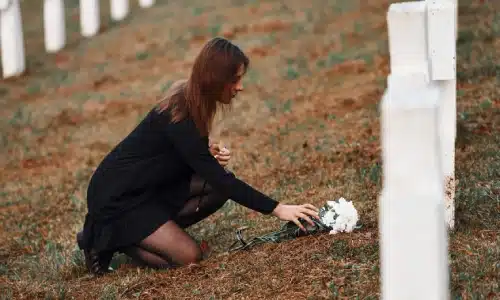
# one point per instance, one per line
(170, 245)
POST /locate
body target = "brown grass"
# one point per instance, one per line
(306, 130)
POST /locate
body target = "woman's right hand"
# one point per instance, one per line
(221, 153)
(294, 212)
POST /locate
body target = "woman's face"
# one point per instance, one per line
(236, 86)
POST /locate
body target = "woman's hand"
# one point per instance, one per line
(294, 212)
(221, 153)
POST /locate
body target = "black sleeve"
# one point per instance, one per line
(192, 147)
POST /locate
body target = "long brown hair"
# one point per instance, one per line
(214, 70)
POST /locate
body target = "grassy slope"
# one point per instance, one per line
(305, 130)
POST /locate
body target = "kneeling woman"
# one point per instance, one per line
(164, 176)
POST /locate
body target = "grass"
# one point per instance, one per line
(305, 130)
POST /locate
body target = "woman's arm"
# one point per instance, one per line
(186, 139)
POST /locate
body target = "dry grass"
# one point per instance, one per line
(306, 130)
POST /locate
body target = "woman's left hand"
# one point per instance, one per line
(221, 153)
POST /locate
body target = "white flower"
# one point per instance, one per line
(331, 204)
(341, 217)
(329, 218)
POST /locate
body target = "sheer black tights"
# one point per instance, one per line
(170, 245)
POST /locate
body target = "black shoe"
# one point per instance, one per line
(96, 263)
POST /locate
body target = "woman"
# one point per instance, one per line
(164, 176)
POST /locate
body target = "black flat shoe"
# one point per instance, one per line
(96, 263)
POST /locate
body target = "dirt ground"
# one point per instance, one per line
(306, 129)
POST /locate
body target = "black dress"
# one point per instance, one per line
(144, 181)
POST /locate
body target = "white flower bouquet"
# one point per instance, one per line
(335, 216)
(339, 215)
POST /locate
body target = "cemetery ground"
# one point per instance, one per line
(305, 130)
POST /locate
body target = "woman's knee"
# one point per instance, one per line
(173, 244)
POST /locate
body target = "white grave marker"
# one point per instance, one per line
(11, 37)
(442, 30)
(119, 9)
(89, 17)
(146, 3)
(54, 25)
(412, 214)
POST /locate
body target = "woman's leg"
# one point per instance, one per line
(203, 202)
(145, 258)
(170, 245)
(173, 245)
